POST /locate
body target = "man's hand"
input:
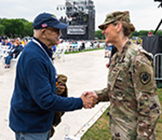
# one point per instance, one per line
(89, 99)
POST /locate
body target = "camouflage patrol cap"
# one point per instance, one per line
(123, 16)
(62, 79)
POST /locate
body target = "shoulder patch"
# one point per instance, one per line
(144, 74)
(144, 77)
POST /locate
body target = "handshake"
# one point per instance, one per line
(89, 98)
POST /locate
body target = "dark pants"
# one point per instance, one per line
(7, 59)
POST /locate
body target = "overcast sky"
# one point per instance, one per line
(144, 14)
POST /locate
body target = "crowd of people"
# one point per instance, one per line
(4, 40)
(13, 48)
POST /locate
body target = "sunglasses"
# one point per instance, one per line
(105, 27)
(54, 29)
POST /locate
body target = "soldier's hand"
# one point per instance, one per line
(89, 99)
(107, 65)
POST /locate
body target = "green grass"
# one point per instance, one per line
(100, 130)
(87, 50)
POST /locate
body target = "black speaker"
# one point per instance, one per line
(152, 44)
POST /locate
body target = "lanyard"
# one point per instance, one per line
(35, 41)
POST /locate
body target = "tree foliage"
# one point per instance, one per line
(99, 35)
(16, 27)
(22, 27)
(2, 29)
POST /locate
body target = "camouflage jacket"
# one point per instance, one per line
(62, 79)
(131, 90)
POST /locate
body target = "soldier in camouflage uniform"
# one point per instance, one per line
(131, 88)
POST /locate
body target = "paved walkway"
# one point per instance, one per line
(85, 71)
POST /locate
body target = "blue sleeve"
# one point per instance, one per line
(54, 48)
(38, 84)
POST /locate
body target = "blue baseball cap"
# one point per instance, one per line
(44, 20)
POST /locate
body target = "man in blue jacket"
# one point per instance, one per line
(34, 101)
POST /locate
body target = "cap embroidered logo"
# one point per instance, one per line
(44, 25)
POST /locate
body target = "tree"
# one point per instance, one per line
(99, 35)
(143, 33)
(28, 29)
(135, 33)
(22, 27)
(159, 33)
(24, 20)
(13, 26)
(2, 29)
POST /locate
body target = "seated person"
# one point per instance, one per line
(83, 45)
(13, 53)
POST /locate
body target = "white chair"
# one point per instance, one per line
(3, 53)
(60, 52)
(14, 61)
(88, 45)
(102, 45)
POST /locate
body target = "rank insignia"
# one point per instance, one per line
(145, 77)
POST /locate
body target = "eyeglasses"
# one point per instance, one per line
(54, 29)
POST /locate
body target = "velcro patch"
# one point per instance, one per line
(145, 77)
